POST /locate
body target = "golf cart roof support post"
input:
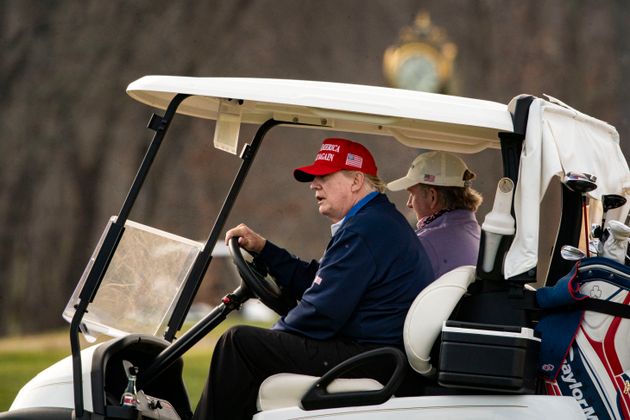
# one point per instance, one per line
(200, 266)
(170, 354)
(512, 143)
(521, 114)
(511, 149)
(160, 125)
(112, 238)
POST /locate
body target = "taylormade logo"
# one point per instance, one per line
(576, 387)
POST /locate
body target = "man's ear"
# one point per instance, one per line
(357, 181)
(434, 198)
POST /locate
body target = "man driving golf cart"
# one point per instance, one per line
(353, 300)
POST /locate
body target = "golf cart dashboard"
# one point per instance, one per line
(164, 398)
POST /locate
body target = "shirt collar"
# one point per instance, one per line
(336, 226)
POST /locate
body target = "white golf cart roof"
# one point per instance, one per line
(558, 140)
(416, 119)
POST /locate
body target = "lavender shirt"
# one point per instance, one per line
(451, 240)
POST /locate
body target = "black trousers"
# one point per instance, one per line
(245, 356)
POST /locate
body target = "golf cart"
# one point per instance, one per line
(471, 332)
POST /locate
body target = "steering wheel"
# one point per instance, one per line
(258, 280)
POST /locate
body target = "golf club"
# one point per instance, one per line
(571, 253)
(582, 183)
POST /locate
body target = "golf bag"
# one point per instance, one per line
(585, 349)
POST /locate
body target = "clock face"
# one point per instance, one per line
(418, 72)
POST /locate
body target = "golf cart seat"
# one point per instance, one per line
(423, 325)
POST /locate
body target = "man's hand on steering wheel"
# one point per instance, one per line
(255, 276)
(248, 239)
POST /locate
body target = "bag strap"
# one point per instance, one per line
(604, 306)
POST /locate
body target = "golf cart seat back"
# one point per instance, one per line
(429, 311)
(422, 327)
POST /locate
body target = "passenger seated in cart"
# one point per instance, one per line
(445, 204)
(353, 300)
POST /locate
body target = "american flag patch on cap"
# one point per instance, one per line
(429, 178)
(353, 160)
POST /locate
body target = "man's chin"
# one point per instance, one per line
(324, 212)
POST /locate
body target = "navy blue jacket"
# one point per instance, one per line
(363, 286)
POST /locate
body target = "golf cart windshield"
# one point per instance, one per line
(141, 285)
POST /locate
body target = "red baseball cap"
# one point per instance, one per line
(336, 155)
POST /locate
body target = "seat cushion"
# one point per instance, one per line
(287, 389)
(428, 312)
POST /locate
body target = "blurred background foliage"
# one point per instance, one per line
(71, 139)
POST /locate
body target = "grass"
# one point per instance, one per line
(21, 358)
(18, 367)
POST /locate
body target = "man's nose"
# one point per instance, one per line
(315, 184)
(410, 201)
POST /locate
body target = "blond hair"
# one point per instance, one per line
(376, 183)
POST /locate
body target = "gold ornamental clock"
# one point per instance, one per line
(422, 59)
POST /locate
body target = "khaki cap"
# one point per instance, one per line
(433, 168)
